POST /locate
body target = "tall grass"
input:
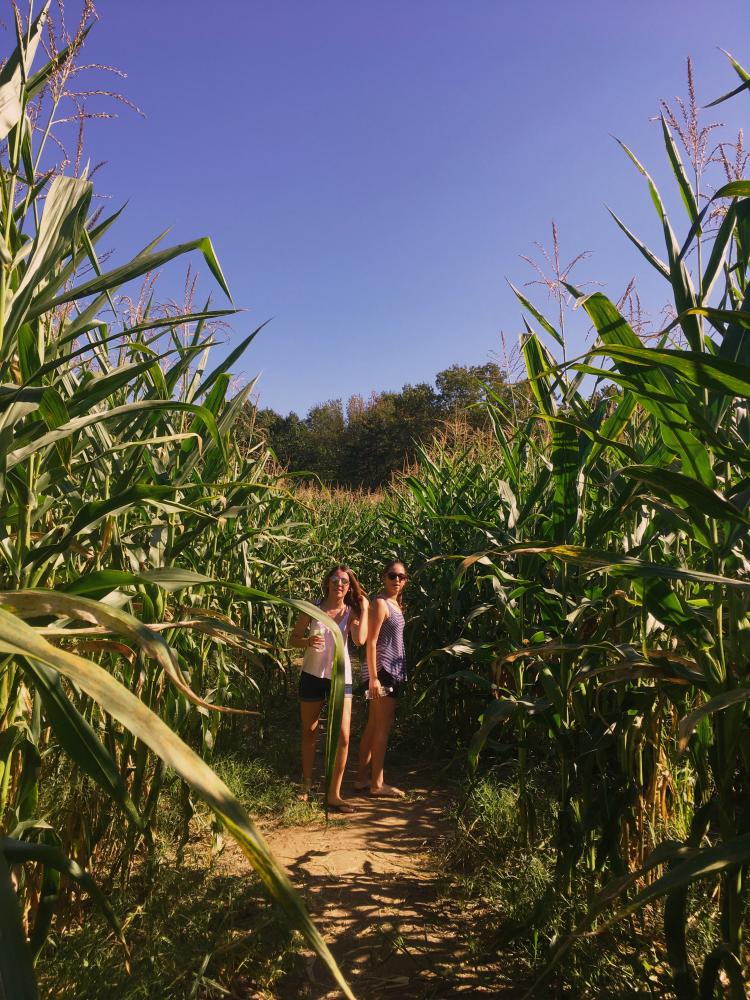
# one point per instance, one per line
(579, 590)
(137, 546)
(588, 582)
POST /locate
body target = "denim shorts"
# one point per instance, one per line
(312, 688)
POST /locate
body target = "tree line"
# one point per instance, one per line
(361, 443)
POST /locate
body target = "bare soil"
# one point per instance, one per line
(373, 882)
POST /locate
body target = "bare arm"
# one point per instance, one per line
(376, 618)
(359, 625)
(298, 638)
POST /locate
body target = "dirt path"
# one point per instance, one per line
(372, 884)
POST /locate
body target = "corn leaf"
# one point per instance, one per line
(19, 639)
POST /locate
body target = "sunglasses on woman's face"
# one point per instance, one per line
(396, 576)
(340, 581)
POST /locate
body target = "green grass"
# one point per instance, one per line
(260, 789)
(192, 932)
(517, 913)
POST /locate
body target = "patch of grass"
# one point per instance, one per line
(263, 792)
(194, 928)
(192, 931)
(509, 887)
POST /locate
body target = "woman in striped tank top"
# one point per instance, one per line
(385, 674)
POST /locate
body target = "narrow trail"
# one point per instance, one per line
(372, 883)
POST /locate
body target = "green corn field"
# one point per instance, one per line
(580, 574)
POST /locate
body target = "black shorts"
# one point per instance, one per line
(389, 681)
(312, 688)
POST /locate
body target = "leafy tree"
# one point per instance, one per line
(284, 435)
(461, 389)
(364, 443)
(321, 440)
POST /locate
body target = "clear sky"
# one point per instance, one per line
(371, 171)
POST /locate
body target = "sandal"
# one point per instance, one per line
(342, 807)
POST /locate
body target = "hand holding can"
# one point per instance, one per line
(315, 637)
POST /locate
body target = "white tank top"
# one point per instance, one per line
(319, 662)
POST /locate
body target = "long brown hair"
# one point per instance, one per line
(355, 591)
(389, 566)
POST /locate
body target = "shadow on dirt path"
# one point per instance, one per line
(372, 883)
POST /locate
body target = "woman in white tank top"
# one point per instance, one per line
(344, 601)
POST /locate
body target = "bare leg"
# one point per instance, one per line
(365, 750)
(385, 711)
(310, 718)
(334, 792)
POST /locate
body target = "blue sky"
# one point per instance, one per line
(370, 172)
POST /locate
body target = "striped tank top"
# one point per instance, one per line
(389, 649)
